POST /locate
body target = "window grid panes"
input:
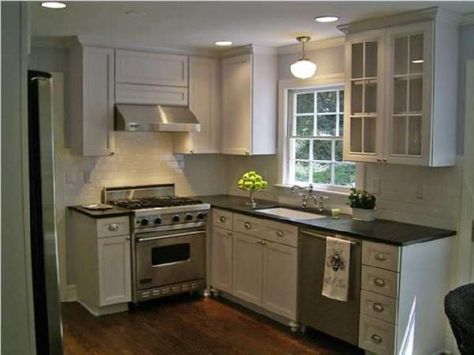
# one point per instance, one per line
(315, 143)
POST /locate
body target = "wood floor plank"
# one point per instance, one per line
(183, 325)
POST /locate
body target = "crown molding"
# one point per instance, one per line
(312, 46)
(423, 15)
(467, 19)
(246, 49)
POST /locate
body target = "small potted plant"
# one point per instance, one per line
(363, 205)
(252, 182)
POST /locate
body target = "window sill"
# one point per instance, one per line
(343, 191)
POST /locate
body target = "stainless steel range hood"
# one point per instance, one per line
(155, 118)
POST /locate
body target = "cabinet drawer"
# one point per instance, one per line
(281, 233)
(376, 335)
(150, 94)
(381, 255)
(108, 227)
(380, 281)
(222, 219)
(378, 306)
(249, 225)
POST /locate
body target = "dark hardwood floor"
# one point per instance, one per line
(185, 325)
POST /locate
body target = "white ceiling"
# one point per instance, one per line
(196, 25)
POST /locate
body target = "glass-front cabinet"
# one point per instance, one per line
(364, 102)
(409, 94)
(401, 90)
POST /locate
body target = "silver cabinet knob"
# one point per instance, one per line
(280, 234)
(379, 282)
(377, 307)
(113, 227)
(222, 219)
(229, 233)
(380, 257)
(247, 225)
(376, 338)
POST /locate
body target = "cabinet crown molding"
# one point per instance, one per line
(424, 15)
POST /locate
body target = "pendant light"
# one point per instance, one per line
(303, 68)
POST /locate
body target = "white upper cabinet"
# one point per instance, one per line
(364, 89)
(249, 103)
(135, 67)
(92, 100)
(204, 99)
(398, 110)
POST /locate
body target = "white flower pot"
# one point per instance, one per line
(361, 214)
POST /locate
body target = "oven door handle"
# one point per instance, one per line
(140, 240)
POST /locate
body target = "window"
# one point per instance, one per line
(315, 122)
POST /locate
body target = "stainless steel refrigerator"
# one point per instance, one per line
(42, 214)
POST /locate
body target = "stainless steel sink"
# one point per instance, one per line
(290, 213)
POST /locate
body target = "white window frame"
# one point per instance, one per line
(285, 88)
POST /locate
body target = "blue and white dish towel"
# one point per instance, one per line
(336, 269)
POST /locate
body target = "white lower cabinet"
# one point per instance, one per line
(101, 257)
(247, 268)
(114, 270)
(280, 279)
(252, 267)
(221, 263)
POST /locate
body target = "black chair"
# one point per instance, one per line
(459, 307)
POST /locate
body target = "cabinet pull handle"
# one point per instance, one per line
(376, 338)
(113, 227)
(379, 282)
(261, 242)
(127, 238)
(229, 233)
(280, 234)
(247, 225)
(377, 307)
(380, 257)
(222, 219)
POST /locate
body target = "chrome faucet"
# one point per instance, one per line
(307, 194)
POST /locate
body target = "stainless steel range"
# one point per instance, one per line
(168, 239)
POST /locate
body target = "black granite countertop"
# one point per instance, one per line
(384, 231)
(112, 212)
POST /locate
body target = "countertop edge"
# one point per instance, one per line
(95, 214)
(444, 233)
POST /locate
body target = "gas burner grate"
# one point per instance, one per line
(153, 202)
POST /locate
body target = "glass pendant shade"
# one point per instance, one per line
(303, 69)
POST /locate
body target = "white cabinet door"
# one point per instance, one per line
(114, 270)
(221, 264)
(409, 94)
(236, 106)
(204, 103)
(134, 67)
(92, 103)
(364, 104)
(280, 279)
(247, 268)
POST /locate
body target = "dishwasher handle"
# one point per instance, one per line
(320, 236)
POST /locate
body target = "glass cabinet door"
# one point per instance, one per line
(364, 83)
(407, 90)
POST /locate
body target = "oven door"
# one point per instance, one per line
(164, 258)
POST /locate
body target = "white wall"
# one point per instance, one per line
(140, 158)
(17, 314)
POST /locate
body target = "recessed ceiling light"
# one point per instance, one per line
(53, 4)
(326, 19)
(223, 43)
(417, 61)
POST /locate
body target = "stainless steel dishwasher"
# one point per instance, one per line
(336, 318)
